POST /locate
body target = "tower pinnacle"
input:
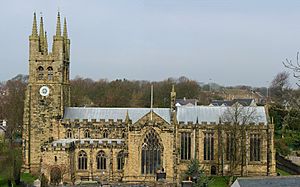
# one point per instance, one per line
(45, 43)
(58, 25)
(42, 35)
(34, 27)
(65, 29)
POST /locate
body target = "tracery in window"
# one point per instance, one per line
(105, 134)
(230, 147)
(208, 146)
(120, 160)
(82, 160)
(69, 133)
(87, 134)
(101, 160)
(254, 147)
(185, 152)
(152, 151)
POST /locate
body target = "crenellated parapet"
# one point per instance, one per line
(71, 144)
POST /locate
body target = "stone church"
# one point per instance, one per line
(131, 145)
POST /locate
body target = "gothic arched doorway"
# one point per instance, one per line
(213, 170)
(152, 150)
(55, 176)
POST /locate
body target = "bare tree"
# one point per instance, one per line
(280, 86)
(236, 120)
(294, 66)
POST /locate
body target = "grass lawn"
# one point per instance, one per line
(26, 177)
(218, 181)
(282, 173)
(3, 183)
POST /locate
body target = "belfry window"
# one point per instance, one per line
(151, 153)
(69, 133)
(120, 160)
(50, 73)
(101, 160)
(82, 160)
(208, 146)
(254, 147)
(87, 134)
(40, 73)
(185, 146)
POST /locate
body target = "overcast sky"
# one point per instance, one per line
(225, 41)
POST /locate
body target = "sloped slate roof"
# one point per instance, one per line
(113, 113)
(185, 114)
(280, 181)
(212, 114)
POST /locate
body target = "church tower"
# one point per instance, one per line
(48, 90)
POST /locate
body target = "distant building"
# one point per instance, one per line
(274, 181)
(186, 102)
(242, 102)
(231, 94)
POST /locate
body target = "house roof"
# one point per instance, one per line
(278, 181)
(185, 114)
(186, 101)
(243, 102)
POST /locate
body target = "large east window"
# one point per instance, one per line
(185, 152)
(151, 153)
(208, 146)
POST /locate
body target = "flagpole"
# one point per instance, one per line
(151, 106)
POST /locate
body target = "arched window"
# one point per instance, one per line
(105, 134)
(87, 134)
(40, 73)
(101, 160)
(151, 153)
(82, 160)
(69, 133)
(120, 160)
(50, 73)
